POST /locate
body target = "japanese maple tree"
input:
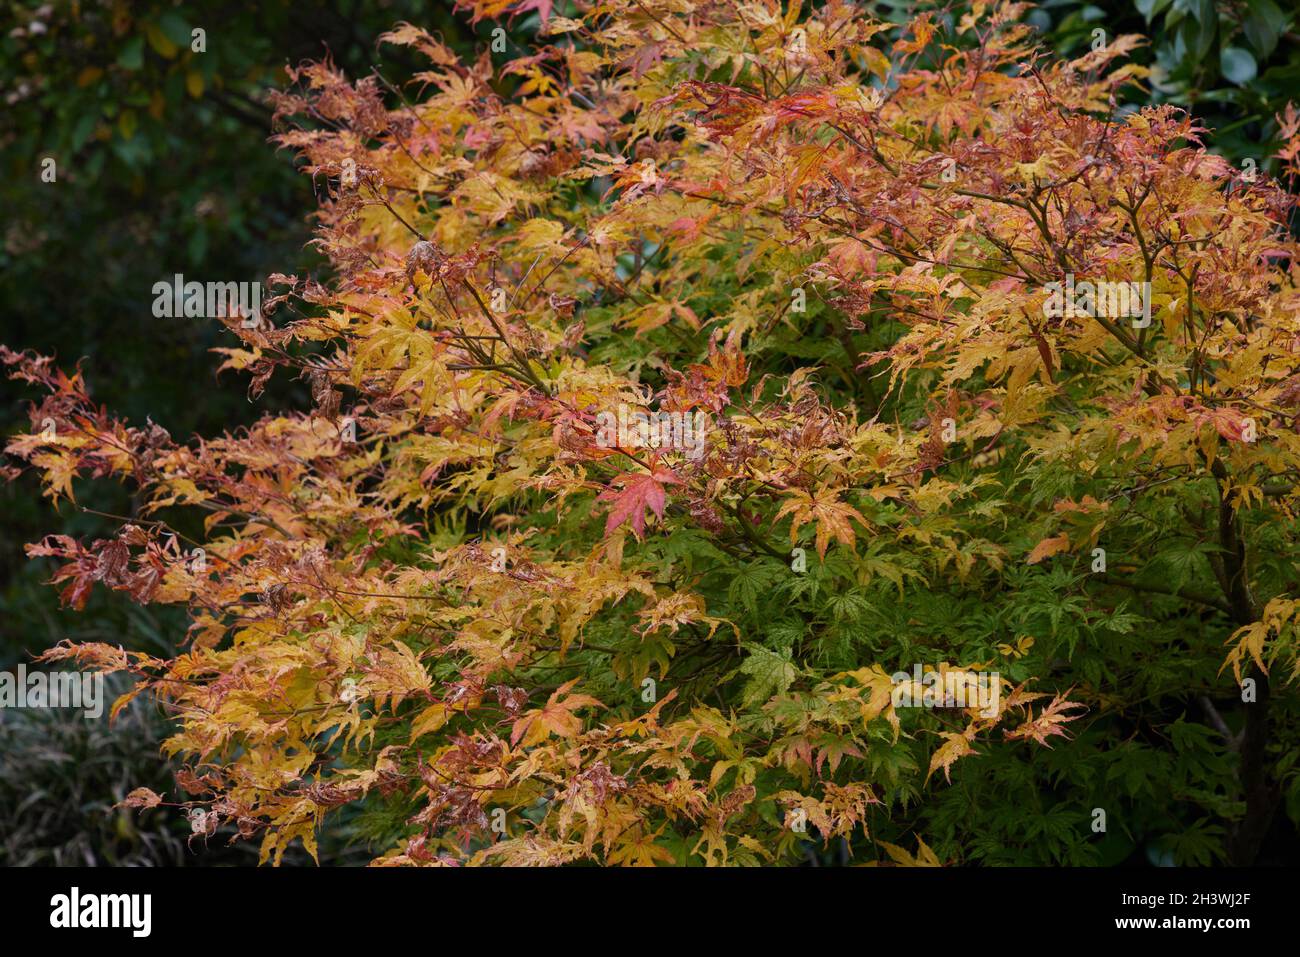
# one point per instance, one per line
(445, 596)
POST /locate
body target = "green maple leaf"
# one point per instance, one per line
(769, 674)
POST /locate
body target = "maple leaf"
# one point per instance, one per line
(769, 674)
(543, 8)
(1048, 547)
(956, 745)
(879, 687)
(833, 518)
(645, 57)
(555, 717)
(639, 491)
(60, 469)
(835, 748)
(496, 9)
(924, 856)
(640, 850)
(1049, 721)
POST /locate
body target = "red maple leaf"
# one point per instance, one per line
(636, 492)
(645, 58)
(543, 8)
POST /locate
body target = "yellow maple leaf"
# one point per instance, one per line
(924, 856)
(956, 746)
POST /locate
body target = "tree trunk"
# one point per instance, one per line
(1261, 794)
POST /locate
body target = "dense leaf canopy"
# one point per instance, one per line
(828, 249)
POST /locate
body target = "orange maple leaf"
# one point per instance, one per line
(1049, 547)
(832, 517)
(555, 717)
(1048, 723)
